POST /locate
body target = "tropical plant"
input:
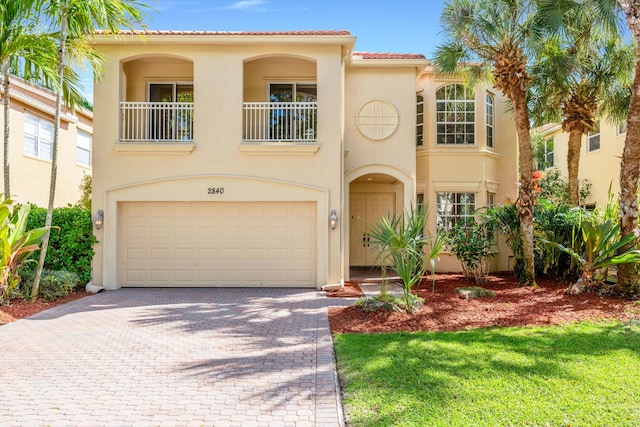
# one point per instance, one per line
(401, 241)
(471, 244)
(492, 37)
(436, 244)
(73, 21)
(602, 248)
(505, 220)
(555, 187)
(21, 46)
(16, 244)
(559, 223)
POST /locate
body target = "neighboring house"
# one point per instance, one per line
(261, 158)
(31, 138)
(600, 156)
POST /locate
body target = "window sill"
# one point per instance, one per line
(158, 148)
(280, 149)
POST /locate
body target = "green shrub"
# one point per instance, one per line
(471, 244)
(70, 246)
(559, 223)
(53, 284)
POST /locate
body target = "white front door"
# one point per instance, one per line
(365, 210)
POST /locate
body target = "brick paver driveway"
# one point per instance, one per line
(172, 357)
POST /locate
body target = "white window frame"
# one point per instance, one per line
(294, 84)
(491, 199)
(455, 210)
(450, 130)
(39, 142)
(419, 120)
(80, 149)
(549, 155)
(174, 92)
(621, 128)
(490, 118)
(593, 138)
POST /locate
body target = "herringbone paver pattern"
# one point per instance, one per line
(172, 357)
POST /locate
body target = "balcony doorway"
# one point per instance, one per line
(171, 115)
(292, 115)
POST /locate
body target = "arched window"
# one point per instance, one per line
(455, 115)
(490, 119)
(419, 120)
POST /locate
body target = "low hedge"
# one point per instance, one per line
(71, 245)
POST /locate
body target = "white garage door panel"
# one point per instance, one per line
(218, 244)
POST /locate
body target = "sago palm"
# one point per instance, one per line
(491, 38)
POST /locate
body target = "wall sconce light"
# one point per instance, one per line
(333, 219)
(98, 219)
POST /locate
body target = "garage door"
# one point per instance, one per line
(218, 244)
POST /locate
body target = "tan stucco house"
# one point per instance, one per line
(600, 155)
(32, 113)
(261, 158)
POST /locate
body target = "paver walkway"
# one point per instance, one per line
(172, 357)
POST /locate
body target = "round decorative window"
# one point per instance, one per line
(377, 119)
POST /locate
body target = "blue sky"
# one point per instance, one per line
(402, 26)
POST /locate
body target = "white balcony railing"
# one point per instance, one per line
(156, 122)
(280, 122)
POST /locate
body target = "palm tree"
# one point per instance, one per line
(630, 165)
(74, 20)
(493, 35)
(575, 70)
(21, 46)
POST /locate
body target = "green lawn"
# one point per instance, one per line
(578, 375)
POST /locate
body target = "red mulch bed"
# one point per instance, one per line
(19, 308)
(513, 306)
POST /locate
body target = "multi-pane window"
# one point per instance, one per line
(491, 199)
(594, 139)
(455, 115)
(622, 128)
(490, 119)
(38, 137)
(491, 202)
(548, 153)
(83, 149)
(419, 199)
(544, 154)
(419, 120)
(454, 208)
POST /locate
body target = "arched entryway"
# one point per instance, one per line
(371, 197)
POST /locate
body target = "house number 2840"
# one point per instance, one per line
(215, 190)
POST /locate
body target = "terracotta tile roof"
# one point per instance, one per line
(386, 55)
(230, 33)
(546, 127)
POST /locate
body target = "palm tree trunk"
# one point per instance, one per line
(629, 175)
(573, 163)
(54, 160)
(526, 198)
(6, 104)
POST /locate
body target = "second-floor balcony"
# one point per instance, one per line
(165, 122)
(274, 122)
